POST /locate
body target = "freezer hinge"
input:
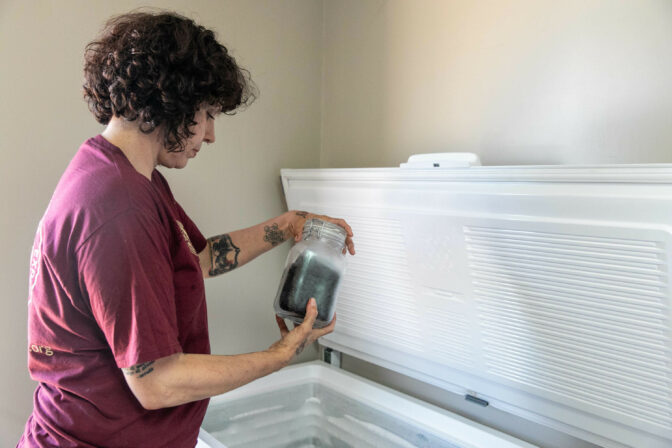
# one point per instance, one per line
(331, 356)
(474, 399)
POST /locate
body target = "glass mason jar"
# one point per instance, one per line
(314, 268)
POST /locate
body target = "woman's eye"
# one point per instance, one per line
(210, 116)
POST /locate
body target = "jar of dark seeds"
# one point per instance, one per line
(314, 268)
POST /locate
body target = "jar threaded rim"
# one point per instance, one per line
(323, 229)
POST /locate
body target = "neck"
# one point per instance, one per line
(142, 150)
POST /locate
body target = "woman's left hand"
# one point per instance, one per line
(297, 219)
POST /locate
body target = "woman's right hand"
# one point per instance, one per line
(293, 342)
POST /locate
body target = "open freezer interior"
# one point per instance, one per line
(317, 405)
(311, 415)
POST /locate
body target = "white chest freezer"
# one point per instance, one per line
(541, 291)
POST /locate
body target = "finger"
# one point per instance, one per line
(351, 245)
(319, 332)
(340, 222)
(348, 240)
(345, 225)
(311, 315)
(281, 325)
(326, 330)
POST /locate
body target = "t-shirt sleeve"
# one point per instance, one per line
(126, 271)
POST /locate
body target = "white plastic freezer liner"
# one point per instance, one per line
(316, 405)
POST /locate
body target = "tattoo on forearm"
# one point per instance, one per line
(140, 370)
(302, 214)
(224, 254)
(273, 235)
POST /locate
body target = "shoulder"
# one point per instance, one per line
(98, 186)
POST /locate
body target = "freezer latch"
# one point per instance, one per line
(478, 401)
(331, 356)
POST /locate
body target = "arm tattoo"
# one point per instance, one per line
(141, 370)
(224, 254)
(273, 235)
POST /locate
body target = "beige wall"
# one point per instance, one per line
(233, 183)
(515, 81)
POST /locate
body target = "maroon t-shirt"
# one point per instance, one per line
(114, 281)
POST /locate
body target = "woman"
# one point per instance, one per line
(118, 336)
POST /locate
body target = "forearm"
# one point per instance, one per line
(183, 378)
(226, 252)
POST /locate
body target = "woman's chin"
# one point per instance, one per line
(174, 162)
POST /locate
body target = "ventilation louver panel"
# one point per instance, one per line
(581, 317)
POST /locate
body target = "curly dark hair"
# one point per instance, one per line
(159, 68)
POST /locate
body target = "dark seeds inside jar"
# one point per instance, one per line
(307, 277)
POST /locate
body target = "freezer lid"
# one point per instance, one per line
(543, 291)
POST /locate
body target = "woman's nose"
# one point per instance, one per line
(210, 132)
